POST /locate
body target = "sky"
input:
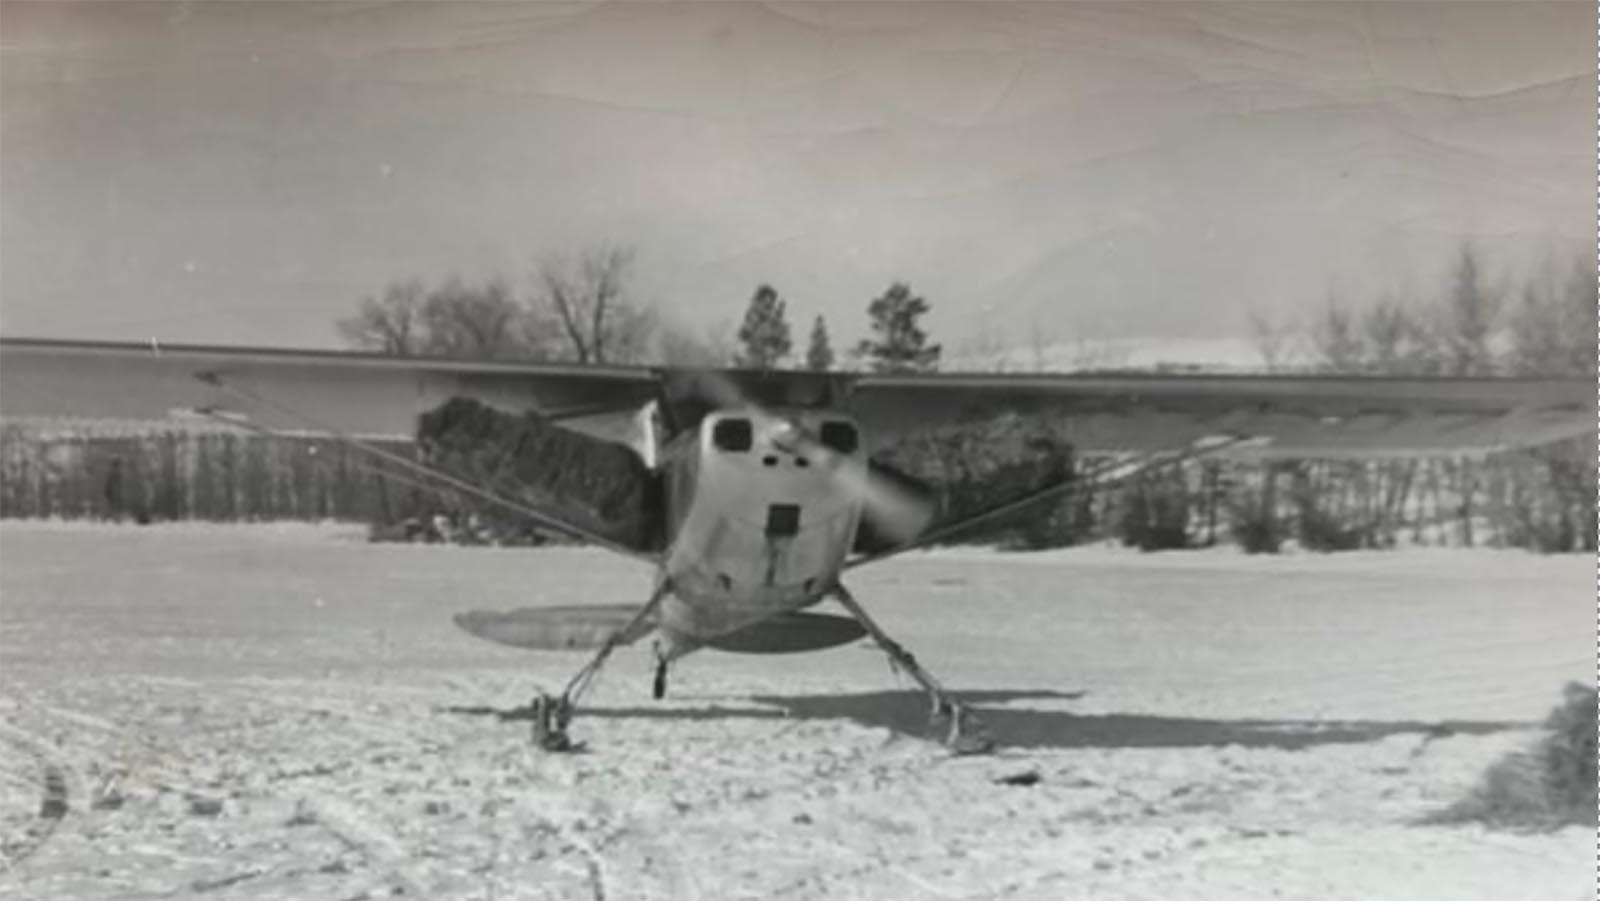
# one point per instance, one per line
(247, 172)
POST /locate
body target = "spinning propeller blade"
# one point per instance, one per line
(893, 510)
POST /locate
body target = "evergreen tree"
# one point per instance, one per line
(764, 336)
(898, 343)
(819, 354)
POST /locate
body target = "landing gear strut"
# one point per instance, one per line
(965, 734)
(658, 686)
(552, 715)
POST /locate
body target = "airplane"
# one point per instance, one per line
(768, 491)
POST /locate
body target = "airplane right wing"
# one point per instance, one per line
(1287, 416)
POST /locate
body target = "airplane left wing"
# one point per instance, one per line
(300, 390)
(349, 396)
(1289, 416)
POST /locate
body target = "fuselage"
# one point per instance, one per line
(757, 524)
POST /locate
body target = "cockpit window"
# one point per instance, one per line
(732, 434)
(840, 437)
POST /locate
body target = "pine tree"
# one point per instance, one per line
(898, 343)
(764, 336)
(819, 354)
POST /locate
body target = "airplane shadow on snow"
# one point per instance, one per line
(906, 712)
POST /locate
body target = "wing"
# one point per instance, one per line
(355, 394)
(1327, 417)
(1295, 416)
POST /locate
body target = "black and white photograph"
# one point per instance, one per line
(839, 450)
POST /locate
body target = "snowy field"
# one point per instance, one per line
(262, 712)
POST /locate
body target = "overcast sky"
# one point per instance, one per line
(245, 173)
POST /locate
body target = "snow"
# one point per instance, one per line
(1139, 353)
(260, 712)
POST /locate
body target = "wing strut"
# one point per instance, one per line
(538, 516)
(1103, 476)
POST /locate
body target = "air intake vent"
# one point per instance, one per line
(783, 520)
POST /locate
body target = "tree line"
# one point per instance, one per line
(1541, 498)
(1546, 327)
(581, 309)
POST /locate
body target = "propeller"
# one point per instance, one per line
(893, 509)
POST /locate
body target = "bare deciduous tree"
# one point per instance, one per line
(456, 319)
(586, 298)
(1399, 340)
(391, 324)
(680, 345)
(1552, 329)
(1468, 319)
(1335, 341)
(1097, 354)
(629, 334)
(476, 322)
(1278, 341)
(983, 350)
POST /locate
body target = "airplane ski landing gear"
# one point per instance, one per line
(552, 715)
(550, 718)
(658, 687)
(966, 734)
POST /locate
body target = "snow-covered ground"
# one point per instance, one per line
(260, 712)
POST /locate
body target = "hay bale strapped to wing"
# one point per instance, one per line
(599, 485)
(973, 467)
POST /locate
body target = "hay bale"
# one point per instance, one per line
(1547, 786)
(972, 467)
(600, 485)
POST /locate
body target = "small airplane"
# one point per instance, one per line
(767, 480)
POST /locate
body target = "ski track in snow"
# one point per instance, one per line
(197, 713)
(24, 837)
